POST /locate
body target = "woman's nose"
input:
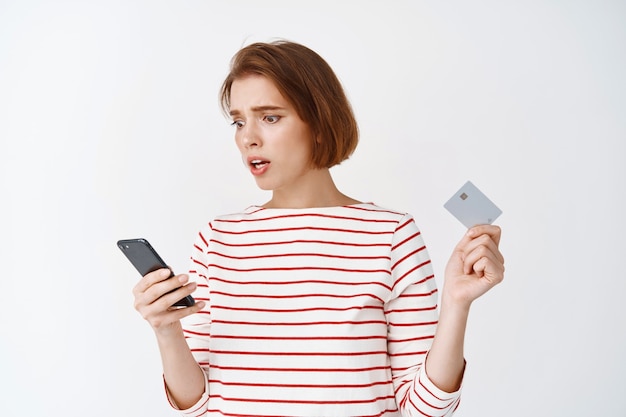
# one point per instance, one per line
(250, 135)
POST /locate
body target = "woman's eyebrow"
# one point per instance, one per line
(257, 109)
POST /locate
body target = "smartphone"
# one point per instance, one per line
(145, 259)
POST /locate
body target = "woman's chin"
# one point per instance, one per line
(263, 185)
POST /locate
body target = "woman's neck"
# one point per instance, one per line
(318, 191)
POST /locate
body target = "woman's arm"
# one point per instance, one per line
(476, 265)
(184, 378)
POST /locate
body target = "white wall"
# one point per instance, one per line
(110, 129)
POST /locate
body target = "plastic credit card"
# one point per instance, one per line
(472, 207)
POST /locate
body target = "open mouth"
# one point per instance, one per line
(258, 163)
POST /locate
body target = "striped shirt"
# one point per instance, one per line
(314, 312)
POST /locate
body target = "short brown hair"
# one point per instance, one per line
(307, 81)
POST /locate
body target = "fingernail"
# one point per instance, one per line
(183, 278)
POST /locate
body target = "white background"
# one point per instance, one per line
(110, 129)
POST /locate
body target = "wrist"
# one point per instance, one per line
(454, 306)
(169, 332)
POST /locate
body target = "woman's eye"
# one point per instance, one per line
(271, 119)
(237, 123)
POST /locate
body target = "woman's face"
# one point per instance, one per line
(274, 142)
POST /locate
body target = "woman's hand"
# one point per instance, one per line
(154, 303)
(476, 266)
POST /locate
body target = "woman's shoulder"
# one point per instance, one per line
(364, 210)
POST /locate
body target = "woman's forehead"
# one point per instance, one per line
(255, 91)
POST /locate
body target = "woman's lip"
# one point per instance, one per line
(257, 165)
(252, 158)
(259, 170)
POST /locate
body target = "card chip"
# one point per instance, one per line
(463, 196)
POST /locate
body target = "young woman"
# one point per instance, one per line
(312, 304)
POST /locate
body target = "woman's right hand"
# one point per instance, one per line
(154, 303)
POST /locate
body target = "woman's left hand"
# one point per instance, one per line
(476, 265)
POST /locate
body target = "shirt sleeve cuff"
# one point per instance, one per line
(195, 409)
(435, 391)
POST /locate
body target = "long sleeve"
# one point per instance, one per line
(197, 327)
(412, 319)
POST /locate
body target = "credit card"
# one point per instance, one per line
(472, 207)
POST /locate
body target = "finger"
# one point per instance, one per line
(152, 278)
(158, 289)
(150, 306)
(478, 254)
(479, 247)
(169, 286)
(165, 301)
(171, 315)
(181, 312)
(486, 264)
(476, 232)
(177, 314)
(495, 232)
(492, 271)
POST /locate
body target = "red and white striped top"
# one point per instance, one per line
(315, 312)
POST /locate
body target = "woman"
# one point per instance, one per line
(314, 303)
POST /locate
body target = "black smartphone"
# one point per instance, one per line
(145, 259)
